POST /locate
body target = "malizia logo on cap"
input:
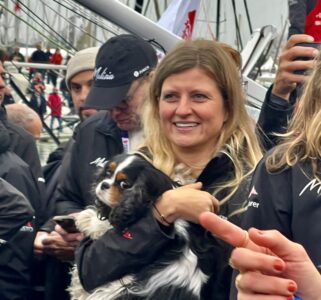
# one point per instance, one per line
(139, 72)
(102, 74)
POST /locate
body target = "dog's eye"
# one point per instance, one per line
(124, 185)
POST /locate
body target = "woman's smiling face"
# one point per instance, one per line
(191, 109)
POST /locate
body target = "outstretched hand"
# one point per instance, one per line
(269, 263)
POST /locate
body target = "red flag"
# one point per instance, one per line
(17, 6)
(179, 17)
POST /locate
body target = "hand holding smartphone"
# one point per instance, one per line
(67, 223)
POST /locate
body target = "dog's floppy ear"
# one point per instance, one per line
(157, 182)
(134, 205)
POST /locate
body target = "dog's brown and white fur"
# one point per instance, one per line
(126, 190)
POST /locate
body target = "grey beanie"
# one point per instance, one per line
(83, 60)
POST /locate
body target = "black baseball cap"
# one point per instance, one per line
(119, 61)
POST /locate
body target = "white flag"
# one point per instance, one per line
(179, 17)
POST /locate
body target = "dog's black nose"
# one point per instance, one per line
(104, 186)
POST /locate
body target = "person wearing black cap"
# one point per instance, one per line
(120, 84)
(121, 80)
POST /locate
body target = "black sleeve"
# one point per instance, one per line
(274, 116)
(16, 248)
(18, 174)
(116, 254)
(15, 210)
(297, 16)
(68, 197)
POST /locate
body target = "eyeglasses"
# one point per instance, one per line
(130, 96)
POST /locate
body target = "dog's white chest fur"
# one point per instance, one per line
(88, 223)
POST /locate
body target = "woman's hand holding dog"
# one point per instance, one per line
(186, 202)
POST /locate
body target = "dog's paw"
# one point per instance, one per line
(88, 223)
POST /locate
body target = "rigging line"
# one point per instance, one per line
(248, 16)
(218, 16)
(93, 18)
(46, 17)
(71, 23)
(146, 7)
(33, 19)
(238, 33)
(75, 12)
(90, 17)
(32, 27)
(85, 12)
(157, 10)
(50, 30)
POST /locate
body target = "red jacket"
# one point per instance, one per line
(56, 59)
(55, 104)
(313, 22)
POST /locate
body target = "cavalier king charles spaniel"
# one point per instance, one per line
(126, 190)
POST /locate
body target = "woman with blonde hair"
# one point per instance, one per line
(233, 139)
(197, 131)
(286, 189)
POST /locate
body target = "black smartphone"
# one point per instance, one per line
(313, 45)
(67, 223)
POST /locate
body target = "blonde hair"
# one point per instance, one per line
(302, 141)
(237, 139)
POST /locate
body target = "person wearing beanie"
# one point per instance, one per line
(48, 244)
(78, 78)
(123, 70)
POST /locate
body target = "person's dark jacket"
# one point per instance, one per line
(23, 144)
(97, 140)
(15, 171)
(38, 104)
(16, 243)
(112, 256)
(287, 201)
(298, 11)
(39, 56)
(274, 117)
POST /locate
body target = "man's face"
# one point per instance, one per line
(2, 82)
(80, 85)
(127, 114)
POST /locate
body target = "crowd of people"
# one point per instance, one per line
(40, 98)
(255, 188)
